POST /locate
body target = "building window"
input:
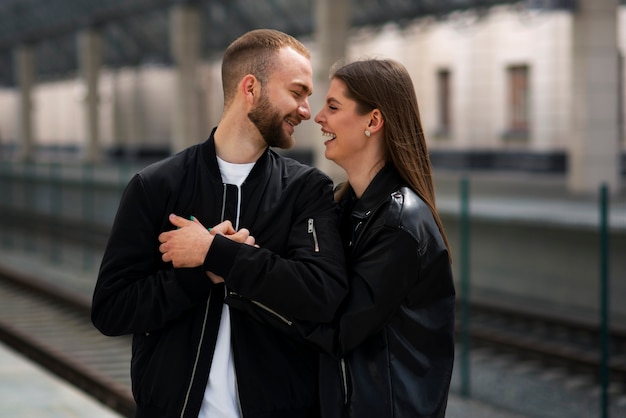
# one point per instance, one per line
(518, 102)
(444, 108)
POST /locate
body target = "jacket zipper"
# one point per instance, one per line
(223, 202)
(238, 398)
(311, 230)
(226, 290)
(265, 308)
(206, 313)
(195, 364)
(344, 380)
(273, 312)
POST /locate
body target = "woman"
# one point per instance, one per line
(392, 345)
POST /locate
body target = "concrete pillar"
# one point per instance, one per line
(463, 107)
(25, 75)
(332, 26)
(594, 151)
(185, 44)
(550, 78)
(137, 121)
(90, 61)
(129, 113)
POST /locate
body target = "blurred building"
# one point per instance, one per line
(494, 86)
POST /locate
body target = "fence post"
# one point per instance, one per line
(604, 300)
(7, 191)
(88, 211)
(31, 190)
(464, 231)
(56, 204)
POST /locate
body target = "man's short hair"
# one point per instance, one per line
(253, 53)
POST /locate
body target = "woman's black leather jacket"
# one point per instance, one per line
(392, 347)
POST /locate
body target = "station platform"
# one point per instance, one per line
(29, 391)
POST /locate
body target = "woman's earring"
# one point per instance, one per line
(367, 133)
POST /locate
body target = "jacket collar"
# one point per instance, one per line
(377, 192)
(262, 165)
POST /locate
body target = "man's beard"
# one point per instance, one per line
(270, 124)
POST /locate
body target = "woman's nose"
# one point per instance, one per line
(318, 117)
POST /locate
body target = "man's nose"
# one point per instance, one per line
(304, 110)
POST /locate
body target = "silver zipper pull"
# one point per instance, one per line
(311, 230)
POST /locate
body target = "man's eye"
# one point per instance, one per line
(331, 107)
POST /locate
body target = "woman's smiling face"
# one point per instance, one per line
(342, 127)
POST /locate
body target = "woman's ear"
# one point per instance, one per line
(376, 121)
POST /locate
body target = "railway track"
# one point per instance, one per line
(540, 333)
(52, 327)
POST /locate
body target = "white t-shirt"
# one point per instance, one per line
(220, 396)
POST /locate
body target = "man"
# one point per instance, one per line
(192, 356)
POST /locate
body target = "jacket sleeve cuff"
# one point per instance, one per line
(221, 255)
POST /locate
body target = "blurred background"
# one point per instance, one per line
(522, 103)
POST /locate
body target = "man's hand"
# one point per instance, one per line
(226, 228)
(188, 245)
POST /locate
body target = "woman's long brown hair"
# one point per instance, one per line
(387, 86)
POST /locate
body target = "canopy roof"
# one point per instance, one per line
(136, 31)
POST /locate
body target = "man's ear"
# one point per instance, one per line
(376, 121)
(250, 88)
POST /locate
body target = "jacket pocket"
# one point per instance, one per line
(236, 297)
(158, 382)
